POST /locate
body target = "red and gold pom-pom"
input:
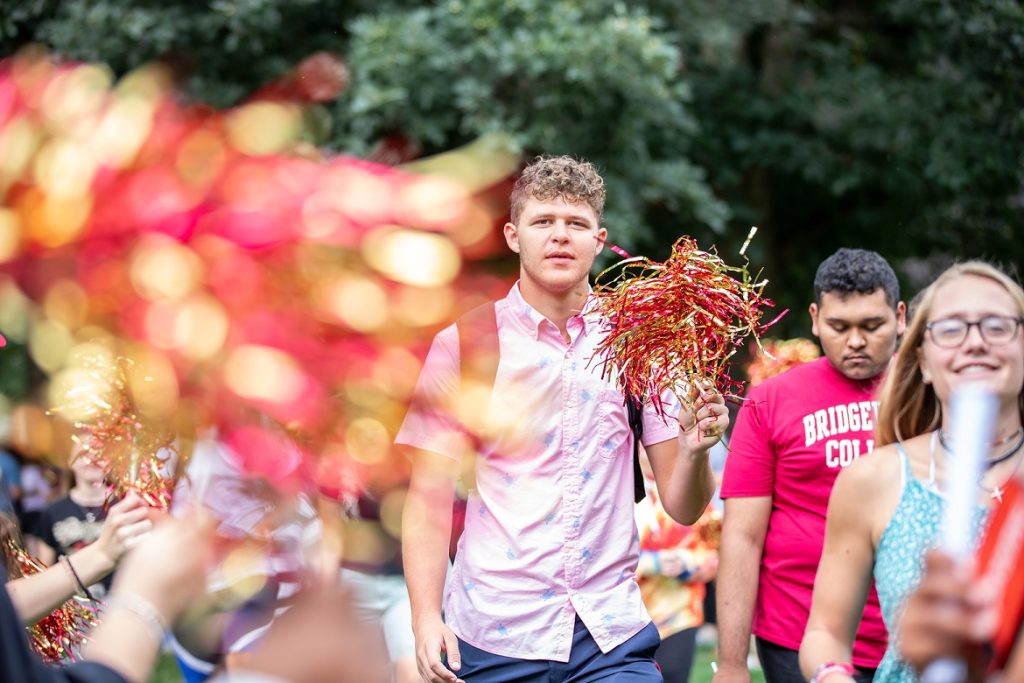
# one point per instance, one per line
(673, 326)
(775, 356)
(133, 451)
(57, 636)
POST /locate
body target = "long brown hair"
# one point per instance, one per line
(908, 407)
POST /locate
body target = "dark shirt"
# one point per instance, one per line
(67, 527)
(19, 664)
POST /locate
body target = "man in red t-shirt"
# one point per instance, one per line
(793, 435)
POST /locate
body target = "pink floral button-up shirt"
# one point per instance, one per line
(550, 532)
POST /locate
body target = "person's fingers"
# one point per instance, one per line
(711, 427)
(713, 397)
(451, 649)
(982, 599)
(131, 503)
(423, 663)
(441, 674)
(430, 665)
(129, 517)
(134, 532)
(126, 503)
(936, 559)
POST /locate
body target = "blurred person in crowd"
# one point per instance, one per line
(159, 581)
(40, 485)
(543, 583)
(319, 641)
(794, 433)
(676, 563)
(886, 510)
(36, 595)
(74, 521)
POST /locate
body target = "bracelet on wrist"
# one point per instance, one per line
(829, 668)
(79, 585)
(141, 609)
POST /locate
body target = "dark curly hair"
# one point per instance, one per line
(856, 270)
(561, 177)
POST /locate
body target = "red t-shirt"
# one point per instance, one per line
(793, 435)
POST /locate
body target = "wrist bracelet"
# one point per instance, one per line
(77, 579)
(829, 668)
(141, 609)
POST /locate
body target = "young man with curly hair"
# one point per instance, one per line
(543, 584)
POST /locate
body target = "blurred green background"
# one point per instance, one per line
(895, 126)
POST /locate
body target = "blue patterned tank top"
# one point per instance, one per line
(899, 559)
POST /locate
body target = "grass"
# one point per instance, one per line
(701, 671)
(166, 670)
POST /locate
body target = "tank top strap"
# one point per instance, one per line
(904, 464)
(931, 458)
(906, 470)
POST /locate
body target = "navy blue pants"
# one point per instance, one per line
(630, 662)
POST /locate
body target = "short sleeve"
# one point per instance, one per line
(429, 424)
(750, 466)
(658, 428)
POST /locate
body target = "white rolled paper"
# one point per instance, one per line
(972, 424)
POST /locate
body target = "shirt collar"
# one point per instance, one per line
(532, 319)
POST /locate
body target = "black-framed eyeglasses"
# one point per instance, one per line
(950, 333)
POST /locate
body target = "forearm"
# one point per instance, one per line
(37, 595)
(121, 643)
(690, 485)
(820, 645)
(426, 531)
(736, 592)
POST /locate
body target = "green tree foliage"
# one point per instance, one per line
(892, 126)
(895, 126)
(588, 78)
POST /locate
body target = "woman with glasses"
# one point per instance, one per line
(886, 509)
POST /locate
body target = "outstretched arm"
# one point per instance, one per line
(37, 595)
(154, 587)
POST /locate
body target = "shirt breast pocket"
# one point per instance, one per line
(613, 432)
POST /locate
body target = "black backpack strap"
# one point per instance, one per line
(478, 358)
(478, 344)
(634, 410)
